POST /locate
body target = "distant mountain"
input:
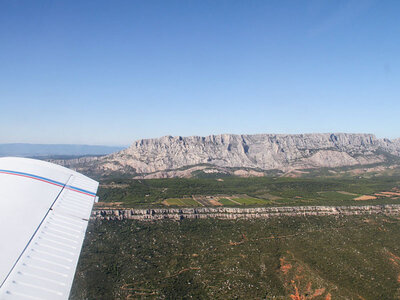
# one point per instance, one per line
(181, 156)
(41, 150)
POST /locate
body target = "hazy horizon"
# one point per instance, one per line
(177, 135)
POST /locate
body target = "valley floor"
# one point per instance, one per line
(248, 192)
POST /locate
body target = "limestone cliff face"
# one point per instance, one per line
(391, 146)
(260, 151)
(241, 213)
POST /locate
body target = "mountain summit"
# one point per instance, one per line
(170, 156)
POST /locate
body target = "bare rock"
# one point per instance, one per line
(180, 156)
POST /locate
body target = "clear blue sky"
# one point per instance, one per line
(110, 72)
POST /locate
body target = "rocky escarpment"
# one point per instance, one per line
(391, 146)
(259, 151)
(241, 213)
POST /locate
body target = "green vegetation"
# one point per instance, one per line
(250, 201)
(355, 257)
(227, 202)
(182, 202)
(272, 191)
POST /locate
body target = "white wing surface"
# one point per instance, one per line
(45, 210)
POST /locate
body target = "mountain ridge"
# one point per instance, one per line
(263, 152)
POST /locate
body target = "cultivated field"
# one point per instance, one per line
(265, 191)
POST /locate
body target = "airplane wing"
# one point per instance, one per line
(45, 209)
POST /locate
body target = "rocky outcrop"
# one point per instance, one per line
(173, 156)
(262, 151)
(241, 213)
(391, 146)
(182, 173)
